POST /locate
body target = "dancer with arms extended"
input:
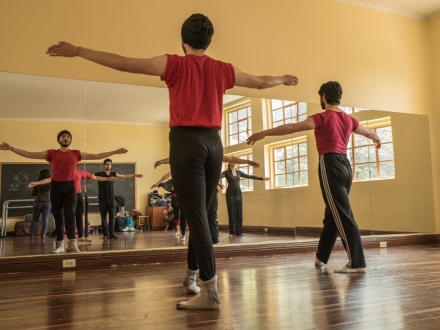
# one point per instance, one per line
(196, 85)
(332, 132)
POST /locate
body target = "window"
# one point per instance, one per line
(367, 162)
(351, 110)
(245, 184)
(290, 166)
(285, 112)
(239, 124)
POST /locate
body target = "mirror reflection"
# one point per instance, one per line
(391, 191)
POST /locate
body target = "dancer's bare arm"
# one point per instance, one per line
(24, 153)
(261, 82)
(162, 179)
(236, 160)
(154, 66)
(129, 176)
(88, 156)
(369, 134)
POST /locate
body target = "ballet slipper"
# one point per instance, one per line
(207, 299)
(189, 283)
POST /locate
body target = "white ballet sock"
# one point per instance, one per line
(207, 299)
(60, 247)
(72, 247)
(318, 262)
(345, 269)
(189, 283)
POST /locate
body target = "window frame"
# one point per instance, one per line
(284, 106)
(246, 104)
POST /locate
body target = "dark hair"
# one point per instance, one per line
(197, 31)
(63, 132)
(107, 160)
(332, 91)
(44, 174)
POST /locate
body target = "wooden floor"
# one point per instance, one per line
(401, 290)
(13, 246)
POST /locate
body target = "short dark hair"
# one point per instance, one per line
(107, 160)
(63, 132)
(197, 31)
(332, 91)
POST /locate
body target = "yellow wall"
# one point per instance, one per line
(100, 138)
(383, 61)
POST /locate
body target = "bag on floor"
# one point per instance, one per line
(128, 222)
(119, 223)
(23, 228)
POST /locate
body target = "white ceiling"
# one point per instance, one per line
(419, 9)
(38, 98)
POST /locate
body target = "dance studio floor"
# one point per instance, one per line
(400, 290)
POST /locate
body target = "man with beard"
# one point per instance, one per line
(333, 128)
(62, 191)
(106, 197)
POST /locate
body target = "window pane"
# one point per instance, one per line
(244, 184)
(371, 153)
(349, 142)
(295, 110)
(242, 137)
(289, 152)
(242, 113)
(304, 176)
(278, 115)
(360, 140)
(279, 154)
(233, 129)
(362, 172)
(232, 116)
(280, 167)
(233, 139)
(288, 121)
(350, 155)
(295, 150)
(276, 104)
(302, 117)
(278, 123)
(385, 134)
(280, 180)
(249, 111)
(302, 108)
(251, 184)
(288, 112)
(303, 163)
(295, 179)
(289, 166)
(373, 171)
(361, 155)
(242, 126)
(386, 152)
(303, 149)
(387, 170)
(295, 164)
(290, 180)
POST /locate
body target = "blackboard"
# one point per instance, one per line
(15, 178)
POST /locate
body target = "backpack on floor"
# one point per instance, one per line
(119, 223)
(128, 222)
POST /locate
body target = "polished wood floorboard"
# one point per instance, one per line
(401, 290)
(13, 246)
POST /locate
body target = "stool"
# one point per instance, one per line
(146, 221)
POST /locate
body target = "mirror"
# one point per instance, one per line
(104, 116)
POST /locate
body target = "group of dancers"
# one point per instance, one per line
(196, 84)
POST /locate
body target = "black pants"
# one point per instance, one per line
(82, 209)
(195, 159)
(63, 199)
(107, 206)
(335, 178)
(212, 218)
(234, 203)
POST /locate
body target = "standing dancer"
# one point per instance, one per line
(62, 188)
(234, 200)
(333, 128)
(196, 85)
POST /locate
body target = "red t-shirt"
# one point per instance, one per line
(332, 131)
(63, 164)
(196, 86)
(81, 175)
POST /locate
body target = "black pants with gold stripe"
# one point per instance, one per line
(335, 178)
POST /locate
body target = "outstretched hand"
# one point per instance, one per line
(254, 164)
(266, 179)
(290, 80)
(153, 186)
(121, 151)
(158, 163)
(255, 137)
(31, 184)
(378, 144)
(5, 146)
(138, 175)
(112, 178)
(63, 49)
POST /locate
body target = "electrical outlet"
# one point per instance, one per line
(265, 229)
(383, 244)
(69, 263)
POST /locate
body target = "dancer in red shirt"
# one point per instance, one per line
(332, 131)
(196, 85)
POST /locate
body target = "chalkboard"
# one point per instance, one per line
(15, 178)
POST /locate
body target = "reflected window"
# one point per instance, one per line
(289, 164)
(286, 112)
(350, 110)
(369, 163)
(239, 124)
(245, 184)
